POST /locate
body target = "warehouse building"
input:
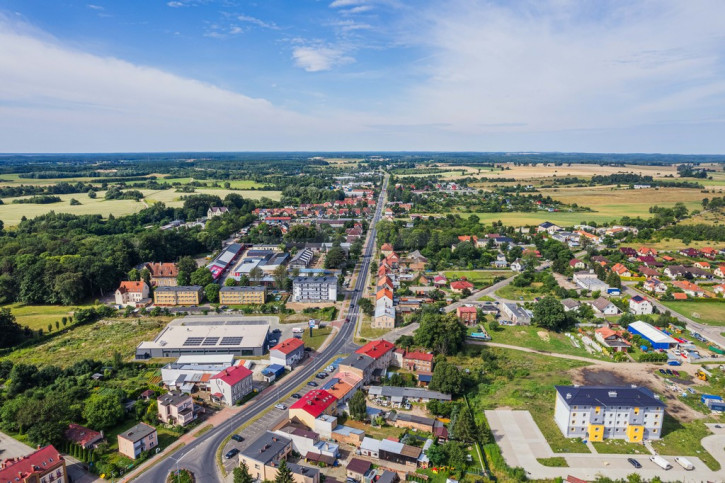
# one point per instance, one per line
(657, 338)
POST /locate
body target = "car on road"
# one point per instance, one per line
(237, 438)
(312, 384)
(277, 331)
(296, 396)
(634, 462)
(281, 407)
(231, 453)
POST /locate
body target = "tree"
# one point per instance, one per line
(444, 334)
(280, 276)
(230, 282)
(494, 326)
(212, 292)
(366, 306)
(201, 276)
(134, 275)
(145, 275)
(335, 258)
(284, 474)
(549, 313)
(613, 280)
(241, 474)
(183, 278)
(447, 378)
(187, 264)
(103, 410)
(256, 274)
(11, 332)
(464, 428)
(358, 406)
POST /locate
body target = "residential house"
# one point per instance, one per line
(385, 283)
(264, 454)
(603, 261)
(82, 436)
(440, 281)
(216, 211)
(690, 252)
(577, 264)
(654, 285)
(644, 251)
(417, 361)
(516, 313)
(393, 261)
(175, 409)
(416, 261)
(604, 306)
(231, 385)
(689, 288)
(410, 421)
(719, 289)
(140, 438)
(288, 352)
(628, 252)
(703, 265)
(467, 314)
(358, 469)
(621, 270)
(399, 453)
(589, 236)
(387, 249)
(639, 305)
(648, 272)
(548, 227)
(612, 339)
(311, 405)
(370, 361)
(181, 295)
(461, 285)
(132, 293)
(570, 304)
(163, 274)
(384, 316)
(517, 265)
(235, 295)
(41, 466)
(720, 271)
(709, 252)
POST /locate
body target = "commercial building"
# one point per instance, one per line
(176, 409)
(312, 405)
(287, 353)
(314, 289)
(231, 385)
(243, 295)
(194, 370)
(212, 334)
(133, 442)
(42, 466)
(657, 338)
(132, 293)
(588, 281)
(180, 295)
(224, 260)
(516, 313)
(262, 457)
(597, 413)
(302, 259)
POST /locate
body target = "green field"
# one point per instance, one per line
(706, 312)
(95, 341)
(539, 339)
(520, 293)
(241, 184)
(483, 277)
(15, 179)
(318, 337)
(39, 316)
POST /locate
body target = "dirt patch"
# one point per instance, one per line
(640, 375)
(544, 335)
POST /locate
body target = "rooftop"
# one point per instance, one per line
(607, 396)
(266, 448)
(233, 375)
(211, 332)
(288, 346)
(376, 349)
(173, 399)
(315, 402)
(138, 432)
(38, 462)
(81, 435)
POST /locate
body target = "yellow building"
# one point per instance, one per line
(243, 295)
(184, 295)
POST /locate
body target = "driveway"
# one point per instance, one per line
(522, 443)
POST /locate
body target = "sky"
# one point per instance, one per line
(370, 75)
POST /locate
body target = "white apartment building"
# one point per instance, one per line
(314, 289)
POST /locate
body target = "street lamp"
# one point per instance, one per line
(177, 460)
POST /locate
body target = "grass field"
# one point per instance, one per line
(586, 171)
(671, 244)
(39, 316)
(15, 179)
(95, 341)
(242, 184)
(539, 339)
(705, 312)
(318, 337)
(479, 278)
(520, 293)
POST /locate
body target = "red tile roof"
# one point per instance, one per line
(384, 293)
(679, 296)
(288, 345)
(387, 247)
(128, 287)
(315, 402)
(376, 348)
(419, 356)
(163, 269)
(232, 375)
(82, 436)
(43, 459)
(467, 310)
(461, 285)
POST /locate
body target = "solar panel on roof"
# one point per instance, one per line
(193, 341)
(231, 341)
(210, 341)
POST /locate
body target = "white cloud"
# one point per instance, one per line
(95, 7)
(346, 3)
(319, 58)
(257, 22)
(175, 4)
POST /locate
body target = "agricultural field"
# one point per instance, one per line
(93, 341)
(14, 179)
(705, 312)
(541, 171)
(240, 184)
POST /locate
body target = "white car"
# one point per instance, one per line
(281, 407)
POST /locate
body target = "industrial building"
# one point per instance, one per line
(657, 338)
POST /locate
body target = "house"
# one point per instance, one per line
(691, 289)
(679, 296)
(308, 443)
(176, 409)
(703, 265)
(82, 436)
(312, 405)
(399, 453)
(314, 289)
(440, 281)
(650, 261)
(611, 339)
(604, 306)
(603, 261)
(654, 285)
(719, 289)
(140, 438)
(648, 272)
(231, 385)
(690, 252)
(709, 252)
(288, 352)
(163, 274)
(644, 251)
(410, 421)
(384, 316)
(235, 295)
(416, 261)
(393, 261)
(216, 211)
(596, 413)
(41, 466)
(570, 304)
(131, 293)
(385, 283)
(628, 252)
(461, 285)
(358, 469)
(639, 305)
(621, 270)
(577, 264)
(517, 265)
(720, 271)
(516, 313)
(548, 227)
(264, 454)
(467, 314)
(417, 361)
(181, 295)
(589, 236)
(387, 249)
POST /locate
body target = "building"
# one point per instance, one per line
(597, 413)
(399, 395)
(461, 285)
(140, 438)
(690, 289)
(417, 361)
(577, 264)
(399, 453)
(467, 314)
(639, 305)
(82, 436)
(193, 371)
(181, 295)
(163, 274)
(654, 285)
(387, 249)
(570, 304)
(358, 469)
(588, 281)
(548, 227)
(411, 421)
(131, 293)
(384, 317)
(370, 361)
(604, 306)
(312, 405)
(243, 295)
(621, 270)
(611, 339)
(287, 353)
(210, 334)
(263, 456)
(657, 338)
(231, 385)
(216, 211)
(308, 443)
(176, 409)
(302, 259)
(314, 289)
(42, 466)
(516, 313)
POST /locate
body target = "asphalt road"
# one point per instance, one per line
(199, 456)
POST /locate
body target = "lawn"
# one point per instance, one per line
(95, 341)
(710, 312)
(479, 278)
(368, 333)
(520, 293)
(554, 461)
(318, 337)
(539, 339)
(39, 316)
(684, 439)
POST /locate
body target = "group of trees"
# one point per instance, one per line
(441, 333)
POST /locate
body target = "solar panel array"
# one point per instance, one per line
(193, 341)
(210, 341)
(231, 341)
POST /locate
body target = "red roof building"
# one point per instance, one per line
(132, 287)
(467, 314)
(376, 349)
(313, 404)
(231, 384)
(288, 346)
(232, 375)
(84, 437)
(46, 464)
(461, 285)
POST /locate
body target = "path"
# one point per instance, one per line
(547, 353)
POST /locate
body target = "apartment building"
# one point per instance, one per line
(176, 409)
(182, 295)
(163, 274)
(133, 442)
(243, 295)
(314, 289)
(231, 384)
(42, 466)
(597, 413)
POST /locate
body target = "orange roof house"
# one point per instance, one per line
(384, 293)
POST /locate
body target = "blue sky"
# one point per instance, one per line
(469, 75)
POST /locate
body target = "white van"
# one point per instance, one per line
(685, 463)
(661, 462)
(298, 330)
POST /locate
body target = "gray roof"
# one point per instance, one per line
(328, 280)
(234, 288)
(607, 396)
(570, 303)
(180, 288)
(358, 361)
(267, 447)
(413, 392)
(601, 303)
(173, 398)
(138, 432)
(412, 418)
(303, 470)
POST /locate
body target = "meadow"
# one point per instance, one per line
(710, 312)
(39, 316)
(479, 278)
(540, 339)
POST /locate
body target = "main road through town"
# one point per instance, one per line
(199, 456)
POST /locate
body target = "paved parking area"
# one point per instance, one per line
(522, 442)
(12, 448)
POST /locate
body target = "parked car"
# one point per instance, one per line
(312, 384)
(296, 395)
(237, 438)
(231, 453)
(662, 371)
(634, 462)
(669, 372)
(676, 373)
(281, 407)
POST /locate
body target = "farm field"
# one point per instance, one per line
(674, 245)
(705, 312)
(39, 316)
(242, 184)
(15, 179)
(539, 171)
(171, 198)
(94, 341)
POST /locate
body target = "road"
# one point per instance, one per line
(199, 455)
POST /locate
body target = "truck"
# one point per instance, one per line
(716, 350)
(705, 397)
(661, 462)
(685, 463)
